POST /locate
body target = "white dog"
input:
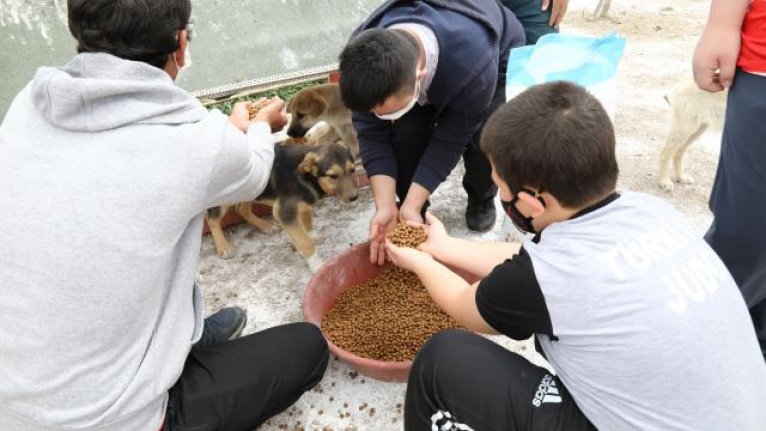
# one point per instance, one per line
(693, 111)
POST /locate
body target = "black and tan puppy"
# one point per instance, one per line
(300, 176)
(320, 103)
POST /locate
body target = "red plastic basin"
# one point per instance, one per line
(338, 274)
(349, 268)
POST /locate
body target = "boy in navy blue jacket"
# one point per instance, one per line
(421, 77)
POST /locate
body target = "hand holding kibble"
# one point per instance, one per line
(254, 107)
(271, 111)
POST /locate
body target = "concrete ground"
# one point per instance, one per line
(266, 275)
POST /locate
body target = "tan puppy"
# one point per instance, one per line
(300, 176)
(322, 103)
(693, 111)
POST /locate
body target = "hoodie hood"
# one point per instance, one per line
(97, 91)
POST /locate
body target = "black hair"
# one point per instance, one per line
(554, 137)
(377, 64)
(140, 30)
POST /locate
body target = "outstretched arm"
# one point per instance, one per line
(475, 257)
(449, 291)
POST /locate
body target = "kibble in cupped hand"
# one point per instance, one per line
(254, 107)
(407, 235)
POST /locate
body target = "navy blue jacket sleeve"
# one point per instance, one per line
(457, 123)
(455, 126)
(375, 144)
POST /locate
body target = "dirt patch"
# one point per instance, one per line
(267, 276)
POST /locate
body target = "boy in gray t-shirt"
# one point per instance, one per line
(638, 317)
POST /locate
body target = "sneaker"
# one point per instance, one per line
(480, 215)
(227, 324)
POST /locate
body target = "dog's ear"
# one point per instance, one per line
(309, 164)
(317, 106)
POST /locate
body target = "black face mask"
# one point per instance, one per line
(522, 223)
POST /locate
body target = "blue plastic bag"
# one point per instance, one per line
(588, 61)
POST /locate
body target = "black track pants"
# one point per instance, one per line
(461, 381)
(239, 384)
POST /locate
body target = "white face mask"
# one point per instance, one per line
(187, 63)
(398, 114)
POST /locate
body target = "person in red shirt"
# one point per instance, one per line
(731, 54)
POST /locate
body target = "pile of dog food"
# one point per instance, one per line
(406, 235)
(254, 107)
(389, 317)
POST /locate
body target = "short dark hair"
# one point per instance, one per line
(554, 137)
(140, 30)
(377, 64)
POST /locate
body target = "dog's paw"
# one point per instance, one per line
(666, 184)
(314, 263)
(224, 252)
(271, 227)
(684, 179)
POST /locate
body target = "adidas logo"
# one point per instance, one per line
(547, 392)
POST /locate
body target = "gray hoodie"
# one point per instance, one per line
(106, 168)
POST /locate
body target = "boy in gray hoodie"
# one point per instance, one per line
(108, 168)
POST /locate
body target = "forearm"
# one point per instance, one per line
(417, 196)
(453, 294)
(448, 143)
(262, 142)
(475, 257)
(261, 139)
(242, 165)
(383, 190)
(727, 13)
(375, 148)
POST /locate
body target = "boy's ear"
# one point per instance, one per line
(532, 202)
(181, 51)
(177, 57)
